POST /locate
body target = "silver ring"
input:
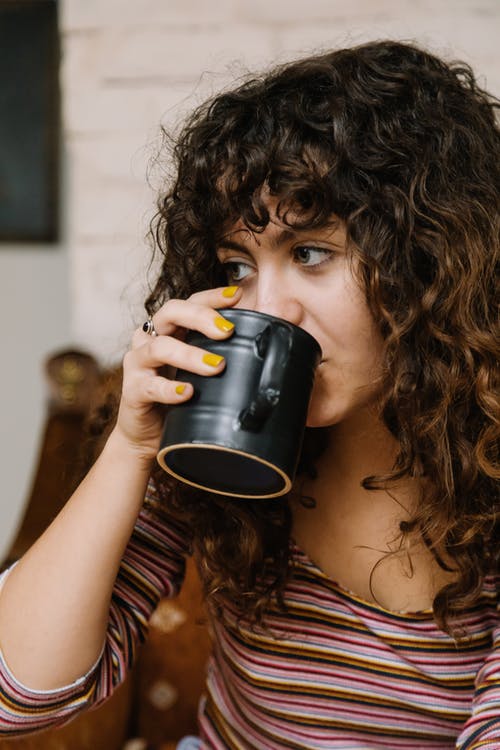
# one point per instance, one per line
(149, 327)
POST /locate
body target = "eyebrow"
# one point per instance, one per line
(285, 235)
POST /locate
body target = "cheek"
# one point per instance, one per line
(352, 340)
(350, 378)
(357, 329)
(353, 348)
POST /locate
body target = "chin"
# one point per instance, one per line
(320, 423)
(322, 411)
(320, 418)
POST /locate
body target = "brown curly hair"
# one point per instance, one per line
(404, 149)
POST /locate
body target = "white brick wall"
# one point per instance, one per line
(129, 66)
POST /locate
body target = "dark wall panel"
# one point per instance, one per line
(29, 120)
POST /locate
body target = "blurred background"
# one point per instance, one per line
(113, 72)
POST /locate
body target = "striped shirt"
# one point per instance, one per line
(332, 672)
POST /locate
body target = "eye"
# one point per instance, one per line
(312, 256)
(236, 270)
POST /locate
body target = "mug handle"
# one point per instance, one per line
(274, 344)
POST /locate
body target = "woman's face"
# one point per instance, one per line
(304, 277)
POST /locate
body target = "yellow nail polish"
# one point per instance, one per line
(180, 389)
(230, 291)
(212, 359)
(223, 324)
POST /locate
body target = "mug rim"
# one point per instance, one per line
(229, 311)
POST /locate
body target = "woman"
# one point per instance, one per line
(354, 194)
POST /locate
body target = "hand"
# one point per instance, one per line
(140, 415)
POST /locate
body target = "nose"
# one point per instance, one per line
(276, 299)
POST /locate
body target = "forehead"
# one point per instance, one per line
(277, 234)
(278, 217)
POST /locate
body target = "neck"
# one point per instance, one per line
(359, 447)
(350, 531)
(356, 449)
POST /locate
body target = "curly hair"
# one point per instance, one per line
(404, 149)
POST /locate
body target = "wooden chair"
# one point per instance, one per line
(158, 701)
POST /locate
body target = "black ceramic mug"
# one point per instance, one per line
(241, 432)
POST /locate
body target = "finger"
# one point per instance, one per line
(221, 296)
(167, 350)
(140, 338)
(202, 319)
(162, 391)
(197, 313)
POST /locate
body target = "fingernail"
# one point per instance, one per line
(212, 359)
(223, 324)
(180, 389)
(230, 291)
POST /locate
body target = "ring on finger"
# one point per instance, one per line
(149, 327)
